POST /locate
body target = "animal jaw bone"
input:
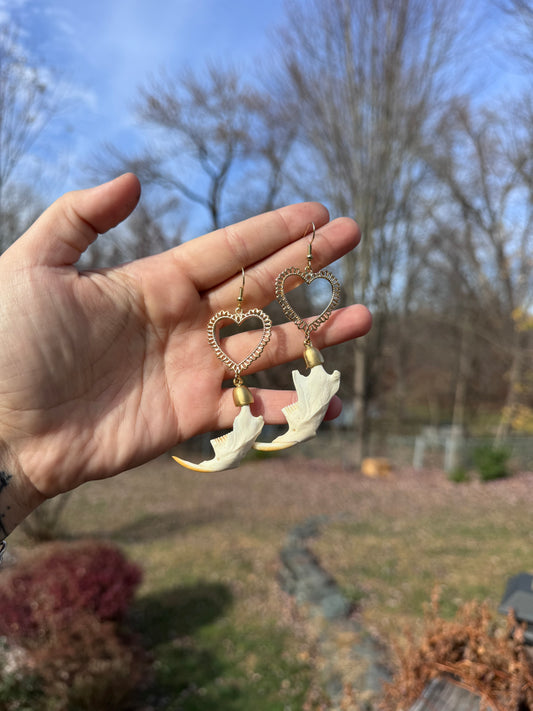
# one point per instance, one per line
(232, 447)
(304, 416)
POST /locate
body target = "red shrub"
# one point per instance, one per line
(87, 665)
(51, 588)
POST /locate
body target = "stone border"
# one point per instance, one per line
(352, 662)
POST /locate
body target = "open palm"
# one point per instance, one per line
(103, 370)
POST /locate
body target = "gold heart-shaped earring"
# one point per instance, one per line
(231, 448)
(316, 389)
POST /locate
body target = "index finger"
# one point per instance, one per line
(219, 255)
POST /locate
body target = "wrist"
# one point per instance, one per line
(18, 496)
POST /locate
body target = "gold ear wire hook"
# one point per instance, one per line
(310, 248)
(240, 298)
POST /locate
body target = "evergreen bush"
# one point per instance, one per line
(491, 462)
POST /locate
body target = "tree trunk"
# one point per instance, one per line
(360, 404)
(513, 390)
(454, 444)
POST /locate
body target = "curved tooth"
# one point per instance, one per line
(304, 416)
(273, 446)
(230, 448)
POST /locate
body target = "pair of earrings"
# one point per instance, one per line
(314, 391)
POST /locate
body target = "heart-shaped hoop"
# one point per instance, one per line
(307, 276)
(238, 317)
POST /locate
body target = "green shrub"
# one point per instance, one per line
(459, 475)
(20, 693)
(491, 462)
(20, 687)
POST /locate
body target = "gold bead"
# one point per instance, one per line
(242, 396)
(312, 357)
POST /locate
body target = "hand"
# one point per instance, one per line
(101, 371)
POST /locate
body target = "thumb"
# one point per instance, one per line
(64, 231)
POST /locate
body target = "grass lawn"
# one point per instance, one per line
(222, 634)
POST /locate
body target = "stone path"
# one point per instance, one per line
(351, 661)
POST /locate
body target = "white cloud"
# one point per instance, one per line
(103, 50)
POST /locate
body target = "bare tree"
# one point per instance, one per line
(521, 31)
(214, 136)
(517, 270)
(27, 104)
(484, 160)
(274, 133)
(370, 81)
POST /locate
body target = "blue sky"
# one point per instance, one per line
(102, 50)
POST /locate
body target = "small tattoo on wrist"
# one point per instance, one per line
(5, 478)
